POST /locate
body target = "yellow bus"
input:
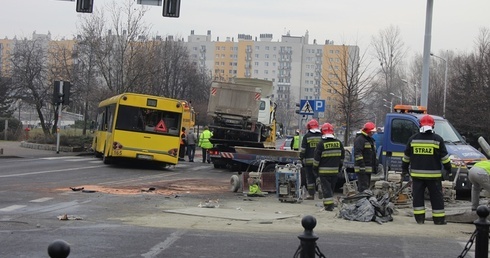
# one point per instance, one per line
(189, 115)
(138, 126)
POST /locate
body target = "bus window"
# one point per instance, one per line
(143, 119)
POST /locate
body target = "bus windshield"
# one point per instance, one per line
(139, 119)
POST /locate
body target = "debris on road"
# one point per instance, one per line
(209, 204)
(147, 190)
(68, 217)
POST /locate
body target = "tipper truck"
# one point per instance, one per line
(243, 118)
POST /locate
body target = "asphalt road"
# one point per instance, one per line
(135, 210)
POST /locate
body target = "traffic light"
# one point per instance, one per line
(85, 6)
(171, 8)
(297, 110)
(64, 97)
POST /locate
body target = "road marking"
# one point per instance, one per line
(63, 157)
(200, 168)
(41, 199)
(160, 247)
(49, 171)
(12, 207)
(80, 159)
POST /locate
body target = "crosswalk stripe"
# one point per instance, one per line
(41, 199)
(12, 207)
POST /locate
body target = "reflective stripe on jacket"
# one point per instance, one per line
(329, 156)
(424, 153)
(364, 153)
(308, 145)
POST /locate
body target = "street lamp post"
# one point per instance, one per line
(389, 102)
(394, 95)
(415, 90)
(445, 83)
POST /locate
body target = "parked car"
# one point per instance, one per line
(286, 145)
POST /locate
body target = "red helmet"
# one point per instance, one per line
(369, 127)
(427, 120)
(312, 124)
(327, 128)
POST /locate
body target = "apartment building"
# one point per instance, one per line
(299, 70)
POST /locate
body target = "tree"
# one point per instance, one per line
(128, 59)
(468, 95)
(390, 51)
(6, 100)
(350, 83)
(30, 77)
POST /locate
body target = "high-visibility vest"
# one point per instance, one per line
(296, 142)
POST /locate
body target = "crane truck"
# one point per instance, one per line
(244, 125)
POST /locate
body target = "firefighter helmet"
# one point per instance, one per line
(427, 120)
(327, 128)
(369, 127)
(312, 124)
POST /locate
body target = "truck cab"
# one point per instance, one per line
(404, 122)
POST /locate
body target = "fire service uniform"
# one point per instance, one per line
(327, 163)
(425, 152)
(307, 150)
(365, 156)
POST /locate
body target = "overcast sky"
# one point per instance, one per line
(455, 25)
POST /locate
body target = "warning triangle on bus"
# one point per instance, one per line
(161, 127)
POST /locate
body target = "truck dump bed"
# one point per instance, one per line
(240, 98)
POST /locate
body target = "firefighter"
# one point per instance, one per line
(424, 154)
(295, 141)
(327, 163)
(365, 156)
(307, 150)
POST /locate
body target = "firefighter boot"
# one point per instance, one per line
(439, 220)
(420, 218)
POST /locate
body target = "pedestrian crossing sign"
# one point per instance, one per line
(306, 108)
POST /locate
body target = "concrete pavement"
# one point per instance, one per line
(22, 149)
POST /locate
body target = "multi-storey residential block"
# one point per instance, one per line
(299, 70)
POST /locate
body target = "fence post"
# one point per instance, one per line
(308, 238)
(482, 225)
(59, 249)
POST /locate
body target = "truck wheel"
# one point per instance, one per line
(218, 166)
(235, 183)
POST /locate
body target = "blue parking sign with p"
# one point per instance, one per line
(319, 105)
